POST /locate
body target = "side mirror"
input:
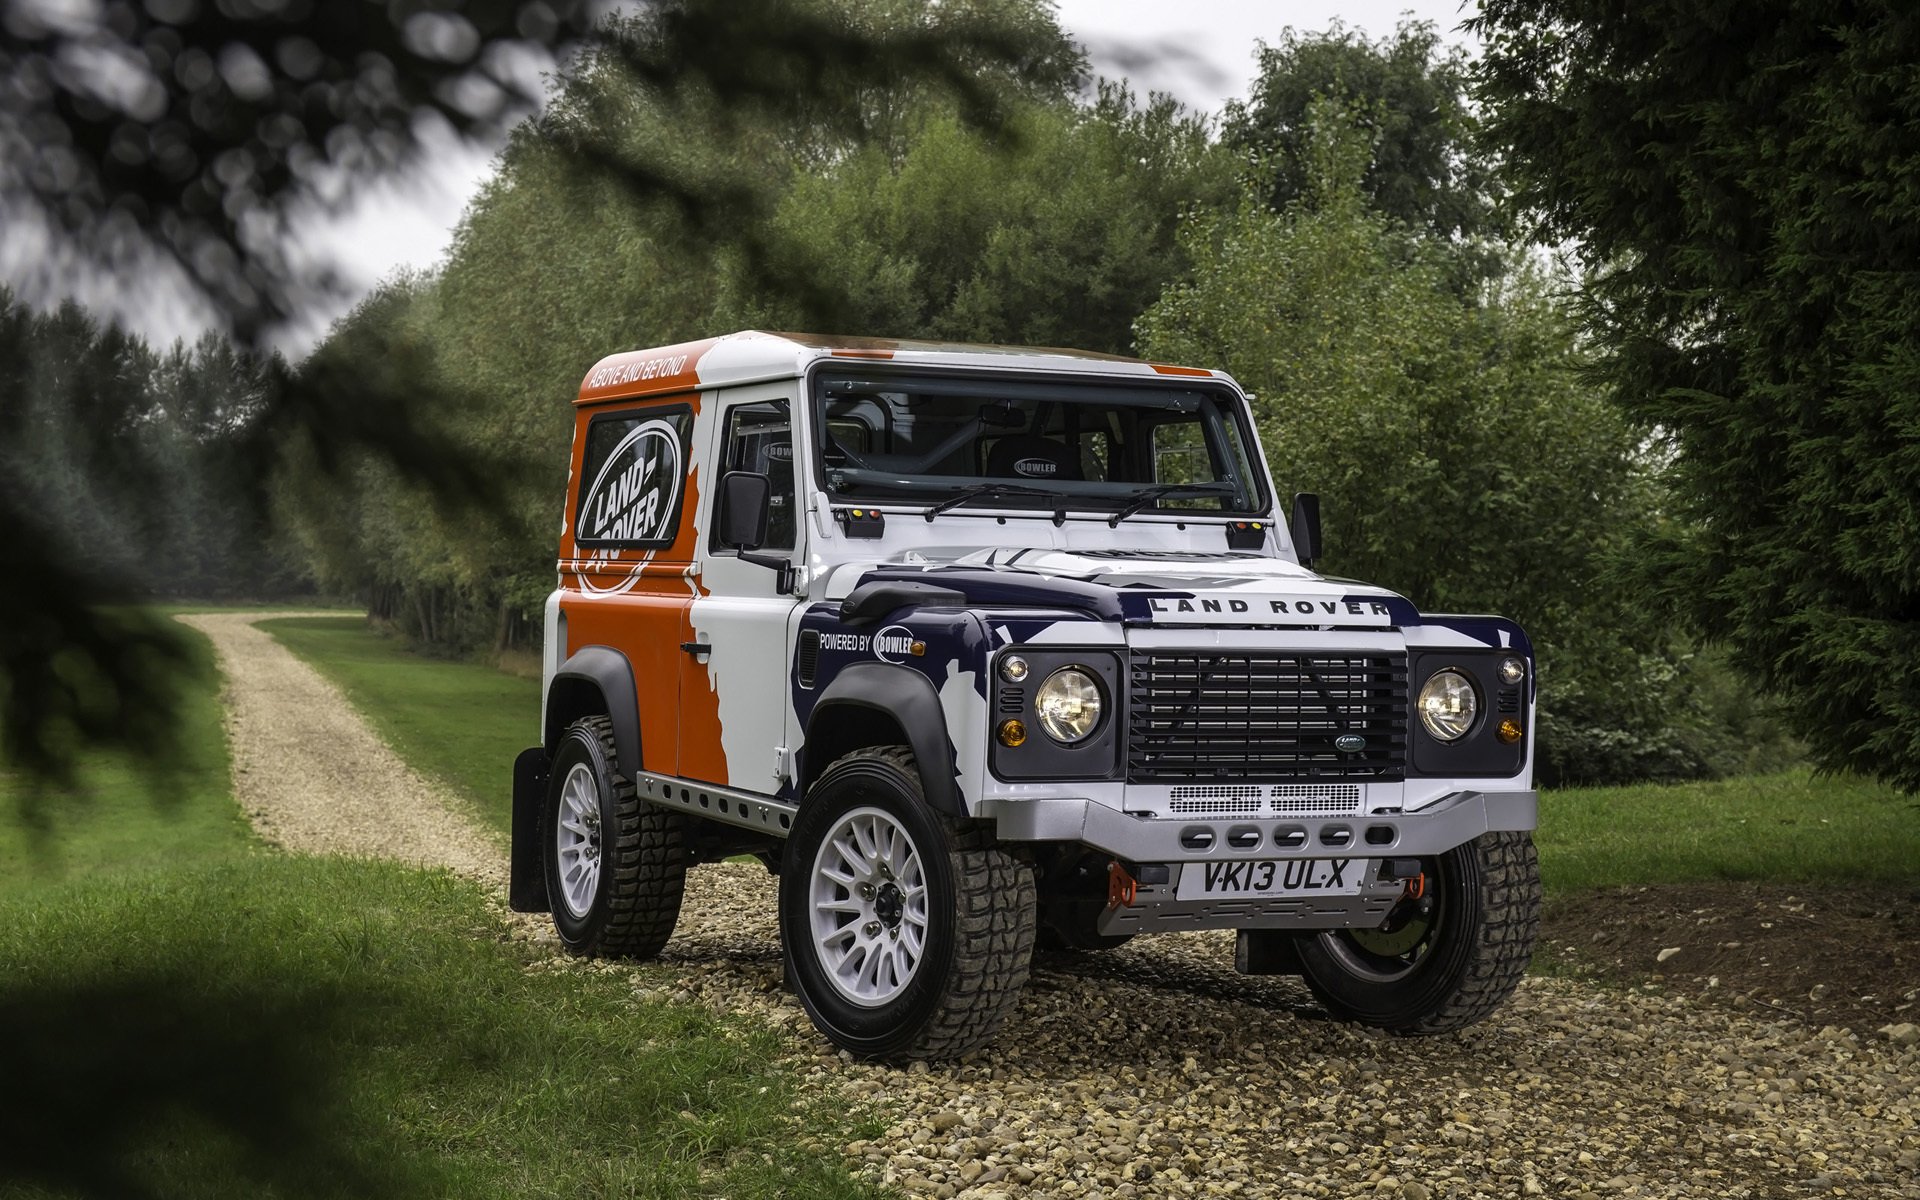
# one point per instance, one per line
(745, 501)
(1305, 527)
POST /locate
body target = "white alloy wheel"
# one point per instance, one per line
(576, 837)
(869, 907)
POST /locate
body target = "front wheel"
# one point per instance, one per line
(1445, 958)
(906, 933)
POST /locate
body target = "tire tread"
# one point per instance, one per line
(1510, 887)
(643, 866)
(997, 904)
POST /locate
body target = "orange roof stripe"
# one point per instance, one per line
(646, 372)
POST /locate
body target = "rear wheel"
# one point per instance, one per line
(616, 865)
(1445, 958)
(907, 934)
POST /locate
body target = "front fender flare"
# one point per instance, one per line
(904, 696)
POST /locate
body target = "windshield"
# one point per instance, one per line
(1109, 447)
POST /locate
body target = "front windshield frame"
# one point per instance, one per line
(1221, 406)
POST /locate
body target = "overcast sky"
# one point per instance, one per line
(1202, 51)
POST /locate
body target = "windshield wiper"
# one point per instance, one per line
(1147, 496)
(979, 490)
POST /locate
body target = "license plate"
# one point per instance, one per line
(1294, 877)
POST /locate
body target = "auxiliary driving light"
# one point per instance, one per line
(1013, 668)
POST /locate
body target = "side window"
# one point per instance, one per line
(632, 477)
(1180, 456)
(760, 439)
(1180, 453)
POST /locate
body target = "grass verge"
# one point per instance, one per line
(460, 722)
(322, 1027)
(116, 819)
(1790, 827)
(190, 1013)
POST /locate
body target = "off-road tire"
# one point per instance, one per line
(981, 916)
(643, 863)
(1481, 942)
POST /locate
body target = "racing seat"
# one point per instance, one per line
(1027, 456)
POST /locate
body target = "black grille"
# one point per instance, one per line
(1266, 717)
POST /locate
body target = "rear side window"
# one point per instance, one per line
(632, 477)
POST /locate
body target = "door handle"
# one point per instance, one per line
(696, 647)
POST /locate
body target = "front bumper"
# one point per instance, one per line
(1451, 821)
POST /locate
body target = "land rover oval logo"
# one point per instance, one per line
(632, 498)
(1350, 743)
(1036, 466)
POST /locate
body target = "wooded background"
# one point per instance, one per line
(1610, 333)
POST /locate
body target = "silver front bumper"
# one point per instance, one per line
(1451, 821)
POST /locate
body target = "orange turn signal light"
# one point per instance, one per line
(1012, 732)
(1509, 731)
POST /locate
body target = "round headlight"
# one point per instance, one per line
(1448, 705)
(1068, 705)
(1512, 670)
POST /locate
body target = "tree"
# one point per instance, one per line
(1410, 96)
(1462, 460)
(1744, 190)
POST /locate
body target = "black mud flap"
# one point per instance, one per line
(527, 870)
(1266, 952)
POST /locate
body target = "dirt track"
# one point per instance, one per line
(1156, 1071)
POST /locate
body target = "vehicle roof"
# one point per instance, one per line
(752, 355)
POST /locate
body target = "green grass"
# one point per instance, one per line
(461, 722)
(322, 1027)
(1788, 828)
(174, 608)
(116, 819)
(188, 1012)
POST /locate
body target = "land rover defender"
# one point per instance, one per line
(979, 646)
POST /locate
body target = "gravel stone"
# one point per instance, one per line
(1155, 1069)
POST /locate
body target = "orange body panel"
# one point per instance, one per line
(639, 602)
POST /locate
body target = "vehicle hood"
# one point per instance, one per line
(1146, 586)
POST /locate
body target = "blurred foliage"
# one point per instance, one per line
(1461, 458)
(145, 459)
(137, 471)
(1056, 225)
(1744, 190)
(196, 136)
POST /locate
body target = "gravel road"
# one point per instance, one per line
(1154, 1070)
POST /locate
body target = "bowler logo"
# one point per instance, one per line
(893, 644)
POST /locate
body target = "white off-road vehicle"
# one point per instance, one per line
(978, 646)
